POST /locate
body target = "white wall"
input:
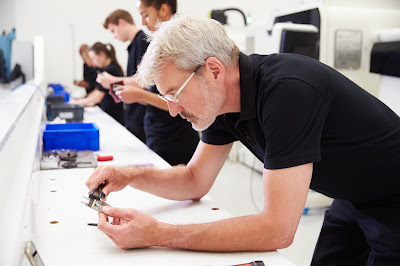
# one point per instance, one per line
(7, 15)
(66, 24)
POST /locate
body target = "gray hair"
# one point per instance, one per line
(187, 42)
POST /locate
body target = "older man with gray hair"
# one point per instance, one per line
(311, 126)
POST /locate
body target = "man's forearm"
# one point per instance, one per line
(131, 80)
(176, 183)
(247, 233)
(152, 98)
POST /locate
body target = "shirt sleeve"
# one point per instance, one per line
(292, 120)
(113, 70)
(100, 88)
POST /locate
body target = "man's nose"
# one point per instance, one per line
(174, 108)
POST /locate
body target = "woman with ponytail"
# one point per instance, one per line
(104, 59)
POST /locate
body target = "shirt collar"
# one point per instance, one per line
(247, 88)
(133, 41)
(130, 46)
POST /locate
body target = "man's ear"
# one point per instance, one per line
(216, 68)
(121, 22)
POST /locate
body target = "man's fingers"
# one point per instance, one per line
(104, 174)
(124, 214)
(100, 175)
(104, 225)
(90, 181)
(116, 221)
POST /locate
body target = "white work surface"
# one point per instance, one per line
(71, 241)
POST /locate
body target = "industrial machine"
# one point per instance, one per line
(341, 34)
(360, 39)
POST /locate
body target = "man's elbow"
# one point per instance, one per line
(199, 188)
(199, 195)
(285, 238)
(286, 242)
(280, 236)
(278, 243)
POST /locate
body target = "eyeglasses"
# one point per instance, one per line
(173, 98)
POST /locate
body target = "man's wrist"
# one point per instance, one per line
(167, 236)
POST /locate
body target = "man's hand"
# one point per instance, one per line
(105, 79)
(114, 178)
(130, 228)
(130, 94)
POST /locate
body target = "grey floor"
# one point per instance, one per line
(238, 190)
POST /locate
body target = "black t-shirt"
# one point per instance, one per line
(160, 125)
(296, 110)
(116, 110)
(134, 113)
(172, 138)
(89, 75)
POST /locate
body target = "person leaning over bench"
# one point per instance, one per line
(310, 126)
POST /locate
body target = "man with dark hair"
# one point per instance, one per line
(122, 26)
(170, 137)
(115, 16)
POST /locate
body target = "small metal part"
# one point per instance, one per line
(67, 154)
(72, 164)
(95, 197)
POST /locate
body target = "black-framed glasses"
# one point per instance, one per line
(173, 98)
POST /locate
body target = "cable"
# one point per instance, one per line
(253, 201)
(237, 9)
(219, 15)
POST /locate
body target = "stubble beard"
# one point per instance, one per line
(214, 100)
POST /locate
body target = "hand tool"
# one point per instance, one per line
(95, 196)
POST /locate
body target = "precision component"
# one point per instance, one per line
(66, 154)
(95, 197)
(73, 164)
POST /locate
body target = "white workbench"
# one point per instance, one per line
(71, 241)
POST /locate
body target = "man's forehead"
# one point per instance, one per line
(167, 69)
(112, 26)
(168, 74)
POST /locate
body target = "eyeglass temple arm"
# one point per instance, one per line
(186, 82)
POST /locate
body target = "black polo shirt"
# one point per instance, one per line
(134, 112)
(107, 104)
(296, 110)
(136, 50)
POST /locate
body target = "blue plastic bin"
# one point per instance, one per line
(59, 90)
(56, 87)
(64, 94)
(77, 136)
